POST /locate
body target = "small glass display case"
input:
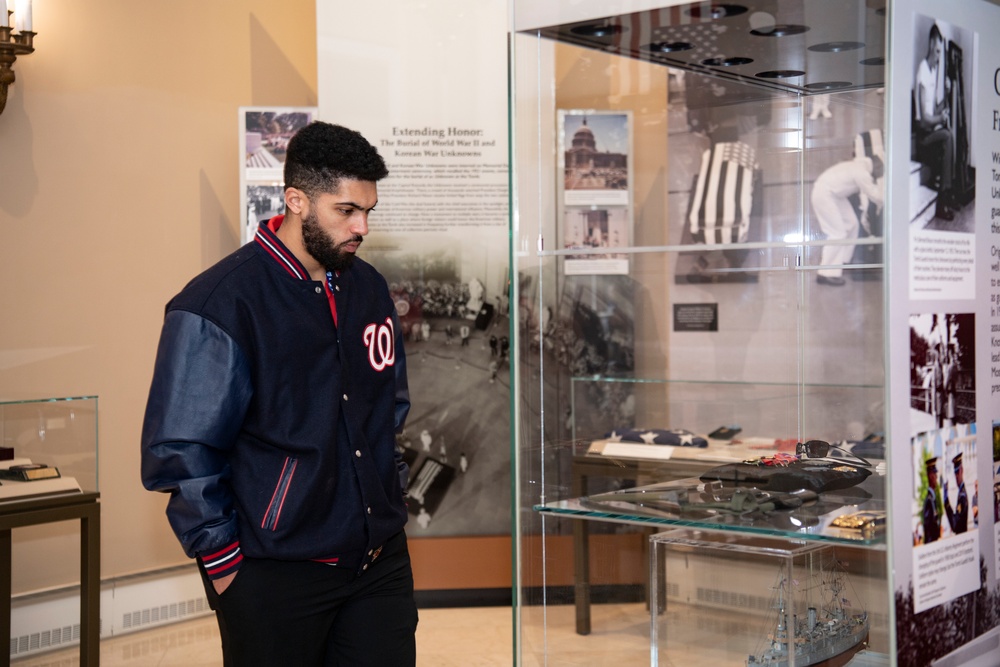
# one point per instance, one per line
(48, 446)
(732, 599)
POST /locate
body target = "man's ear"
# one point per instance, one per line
(296, 201)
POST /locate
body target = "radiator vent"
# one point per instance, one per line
(174, 611)
(731, 600)
(46, 639)
(50, 620)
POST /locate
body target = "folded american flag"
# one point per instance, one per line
(677, 437)
(723, 194)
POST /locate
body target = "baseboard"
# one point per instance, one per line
(599, 594)
(467, 597)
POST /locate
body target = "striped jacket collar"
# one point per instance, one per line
(267, 239)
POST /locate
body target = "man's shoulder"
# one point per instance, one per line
(232, 271)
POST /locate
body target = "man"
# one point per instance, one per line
(279, 385)
(949, 382)
(931, 517)
(835, 213)
(937, 377)
(934, 137)
(958, 518)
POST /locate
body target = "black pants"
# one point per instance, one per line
(938, 151)
(306, 614)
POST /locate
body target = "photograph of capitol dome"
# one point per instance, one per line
(596, 199)
(595, 158)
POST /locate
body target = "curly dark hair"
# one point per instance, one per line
(321, 154)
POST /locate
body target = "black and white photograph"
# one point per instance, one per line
(263, 203)
(847, 200)
(723, 211)
(452, 305)
(717, 178)
(590, 228)
(264, 135)
(942, 370)
(267, 135)
(942, 177)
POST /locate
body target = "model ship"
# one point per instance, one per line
(829, 634)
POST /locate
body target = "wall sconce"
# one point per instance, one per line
(13, 45)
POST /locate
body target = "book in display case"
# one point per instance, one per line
(49, 446)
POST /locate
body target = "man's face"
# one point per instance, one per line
(336, 222)
(932, 479)
(935, 52)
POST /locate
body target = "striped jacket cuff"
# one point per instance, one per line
(223, 562)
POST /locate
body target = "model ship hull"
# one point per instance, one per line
(827, 645)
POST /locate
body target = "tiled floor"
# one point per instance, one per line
(466, 637)
(475, 637)
(445, 638)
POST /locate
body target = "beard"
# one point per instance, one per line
(321, 246)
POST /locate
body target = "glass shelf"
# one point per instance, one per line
(713, 506)
(604, 377)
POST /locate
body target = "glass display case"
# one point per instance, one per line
(50, 518)
(731, 599)
(48, 446)
(697, 232)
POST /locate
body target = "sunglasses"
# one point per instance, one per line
(817, 449)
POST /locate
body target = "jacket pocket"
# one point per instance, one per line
(273, 513)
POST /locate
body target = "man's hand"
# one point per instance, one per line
(222, 584)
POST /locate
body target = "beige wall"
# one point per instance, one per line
(118, 182)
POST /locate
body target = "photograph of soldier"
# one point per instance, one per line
(946, 498)
(831, 198)
(942, 370)
(930, 515)
(958, 518)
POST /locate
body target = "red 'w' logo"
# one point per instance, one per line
(379, 340)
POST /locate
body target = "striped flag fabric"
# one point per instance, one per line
(723, 194)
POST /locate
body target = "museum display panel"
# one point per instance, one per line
(697, 236)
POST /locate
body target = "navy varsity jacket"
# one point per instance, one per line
(271, 427)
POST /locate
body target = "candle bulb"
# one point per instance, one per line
(3, 13)
(22, 15)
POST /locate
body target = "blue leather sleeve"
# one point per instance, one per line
(197, 401)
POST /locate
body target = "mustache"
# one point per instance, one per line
(357, 238)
